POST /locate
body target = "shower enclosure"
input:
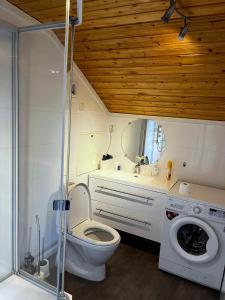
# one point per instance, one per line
(6, 205)
(33, 93)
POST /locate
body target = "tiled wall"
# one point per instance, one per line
(200, 144)
(89, 115)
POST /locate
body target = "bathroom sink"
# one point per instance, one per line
(131, 177)
(141, 179)
(155, 182)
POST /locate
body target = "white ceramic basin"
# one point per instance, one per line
(156, 182)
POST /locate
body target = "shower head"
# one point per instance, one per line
(166, 17)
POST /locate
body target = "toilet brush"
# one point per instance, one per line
(43, 249)
(38, 274)
(28, 258)
(44, 263)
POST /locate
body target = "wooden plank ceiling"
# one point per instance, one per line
(136, 63)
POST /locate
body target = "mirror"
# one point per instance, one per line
(143, 139)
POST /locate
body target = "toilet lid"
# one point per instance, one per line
(79, 206)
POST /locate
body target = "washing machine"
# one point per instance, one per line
(193, 241)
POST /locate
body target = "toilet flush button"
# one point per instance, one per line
(197, 210)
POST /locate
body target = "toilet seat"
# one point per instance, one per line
(96, 233)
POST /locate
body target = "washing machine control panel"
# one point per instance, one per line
(218, 213)
(206, 211)
(175, 204)
(195, 209)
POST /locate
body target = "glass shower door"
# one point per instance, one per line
(5, 153)
(42, 64)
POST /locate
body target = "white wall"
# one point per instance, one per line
(200, 144)
(89, 115)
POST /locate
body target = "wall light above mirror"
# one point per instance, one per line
(143, 138)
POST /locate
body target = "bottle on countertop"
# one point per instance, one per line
(155, 169)
(169, 169)
(118, 166)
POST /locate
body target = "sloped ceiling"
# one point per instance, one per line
(136, 63)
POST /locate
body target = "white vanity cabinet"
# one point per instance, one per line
(131, 209)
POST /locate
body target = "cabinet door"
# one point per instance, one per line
(127, 220)
(138, 199)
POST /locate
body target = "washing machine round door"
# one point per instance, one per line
(194, 240)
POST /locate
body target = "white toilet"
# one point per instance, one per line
(89, 244)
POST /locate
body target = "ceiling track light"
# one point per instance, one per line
(184, 30)
(169, 12)
(166, 17)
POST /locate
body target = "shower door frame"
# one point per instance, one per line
(14, 101)
(55, 290)
(15, 31)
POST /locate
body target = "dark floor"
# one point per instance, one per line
(133, 274)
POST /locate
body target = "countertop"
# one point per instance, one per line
(201, 193)
(155, 183)
(197, 192)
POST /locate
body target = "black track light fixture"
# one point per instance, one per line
(184, 30)
(166, 17)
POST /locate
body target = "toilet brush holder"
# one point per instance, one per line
(44, 267)
(39, 275)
